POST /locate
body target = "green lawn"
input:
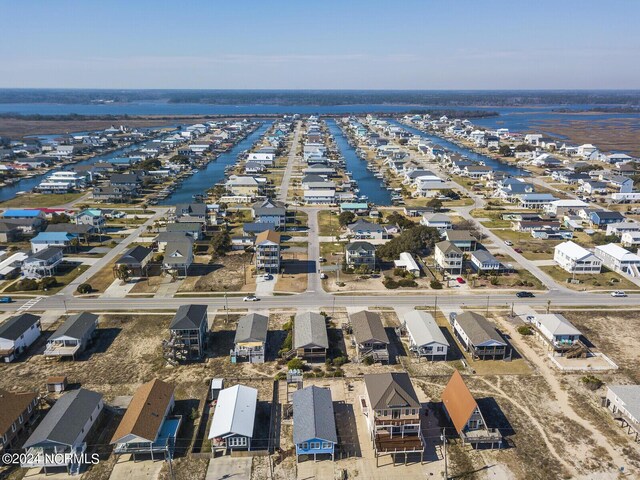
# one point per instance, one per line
(328, 223)
(607, 280)
(67, 272)
(37, 200)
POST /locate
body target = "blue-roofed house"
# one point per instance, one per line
(91, 216)
(314, 424)
(28, 221)
(44, 240)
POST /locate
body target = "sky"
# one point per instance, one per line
(327, 44)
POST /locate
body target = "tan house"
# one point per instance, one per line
(393, 414)
(17, 411)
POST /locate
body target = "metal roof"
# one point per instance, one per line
(252, 328)
(235, 412)
(630, 397)
(423, 328)
(66, 419)
(313, 415)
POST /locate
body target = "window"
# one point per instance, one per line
(315, 445)
(326, 445)
(237, 442)
(29, 408)
(20, 418)
(13, 427)
(304, 446)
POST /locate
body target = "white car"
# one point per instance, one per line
(323, 276)
(250, 298)
(508, 243)
(618, 293)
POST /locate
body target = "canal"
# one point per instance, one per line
(201, 181)
(470, 154)
(369, 185)
(27, 184)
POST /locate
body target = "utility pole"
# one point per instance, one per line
(548, 305)
(435, 307)
(226, 306)
(488, 305)
(444, 449)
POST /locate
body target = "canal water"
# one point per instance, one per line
(369, 185)
(200, 182)
(470, 154)
(26, 184)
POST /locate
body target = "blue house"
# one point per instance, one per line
(314, 425)
(44, 240)
(602, 218)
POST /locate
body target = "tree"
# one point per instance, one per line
(123, 272)
(84, 288)
(295, 364)
(59, 218)
(221, 242)
(435, 203)
(412, 240)
(505, 150)
(346, 218)
(398, 219)
(48, 282)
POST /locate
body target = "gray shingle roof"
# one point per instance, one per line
(390, 390)
(313, 415)
(310, 329)
(252, 328)
(368, 326)
(13, 327)
(134, 255)
(478, 328)
(66, 419)
(76, 326)
(189, 317)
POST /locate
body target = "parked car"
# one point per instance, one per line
(322, 259)
(508, 243)
(267, 276)
(323, 276)
(5, 300)
(460, 280)
(250, 298)
(618, 293)
(517, 250)
(525, 295)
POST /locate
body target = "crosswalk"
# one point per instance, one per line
(27, 305)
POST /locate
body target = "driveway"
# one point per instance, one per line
(228, 467)
(264, 288)
(127, 469)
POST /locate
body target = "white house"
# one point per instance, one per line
(576, 259)
(233, 418)
(437, 220)
(484, 261)
(425, 337)
(17, 333)
(324, 197)
(558, 331)
(407, 262)
(624, 401)
(618, 259)
(561, 207)
(630, 239)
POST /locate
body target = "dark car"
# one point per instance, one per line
(525, 295)
(5, 300)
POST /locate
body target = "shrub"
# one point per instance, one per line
(339, 361)
(338, 373)
(525, 330)
(390, 283)
(27, 284)
(280, 375)
(368, 361)
(591, 382)
(407, 282)
(295, 364)
(84, 288)
(494, 280)
(435, 284)
(287, 344)
(48, 282)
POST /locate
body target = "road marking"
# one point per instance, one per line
(29, 304)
